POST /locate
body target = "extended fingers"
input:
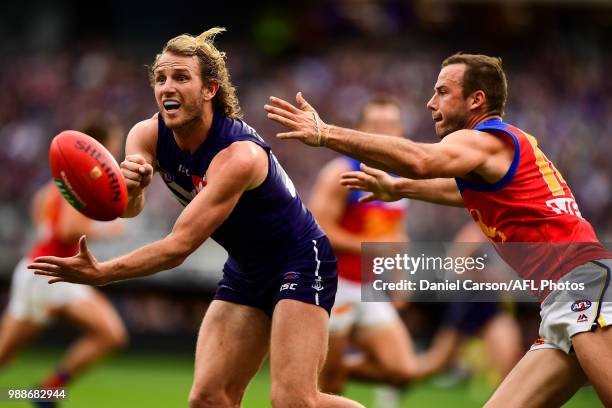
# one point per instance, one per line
(281, 103)
(53, 260)
(357, 177)
(304, 105)
(280, 112)
(45, 269)
(283, 120)
(370, 170)
(351, 183)
(55, 279)
(358, 187)
(352, 174)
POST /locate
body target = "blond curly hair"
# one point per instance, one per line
(212, 67)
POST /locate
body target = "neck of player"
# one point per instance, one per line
(192, 134)
(479, 119)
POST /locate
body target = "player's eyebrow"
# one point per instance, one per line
(162, 69)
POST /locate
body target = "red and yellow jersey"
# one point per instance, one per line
(532, 203)
(372, 221)
(48, 241)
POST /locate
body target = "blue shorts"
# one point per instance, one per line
(309, 275)
(470, 317)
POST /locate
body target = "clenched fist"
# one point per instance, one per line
(137, 173)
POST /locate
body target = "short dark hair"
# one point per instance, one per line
(483, 73)
(99, 126)
(378, 100)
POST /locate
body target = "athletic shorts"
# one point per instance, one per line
(308, 275)
(32, 297)
(350, 312)
(566, 313)
(469, 317)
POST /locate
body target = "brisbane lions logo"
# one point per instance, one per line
(491, 232)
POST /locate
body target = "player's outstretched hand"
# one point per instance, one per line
(304, 123)
(377, 182)
(81, 268)
(136, 172)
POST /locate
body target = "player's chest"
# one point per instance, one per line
(190, 177)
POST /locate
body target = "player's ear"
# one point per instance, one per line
(477, 99)
(210, 90)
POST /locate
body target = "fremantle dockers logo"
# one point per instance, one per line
(318, 285)
(167, 176)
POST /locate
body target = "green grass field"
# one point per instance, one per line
(163, 381)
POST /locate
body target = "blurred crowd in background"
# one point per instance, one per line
(339, 57)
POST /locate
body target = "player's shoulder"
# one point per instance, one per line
(485, 139)
(240, 162)
(147, 127)
(142, 138)
(244, 153)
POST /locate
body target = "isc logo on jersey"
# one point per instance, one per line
(288, 286)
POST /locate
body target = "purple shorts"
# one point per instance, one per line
(309, 274)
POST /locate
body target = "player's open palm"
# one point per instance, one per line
(377, 182)
(81, 268)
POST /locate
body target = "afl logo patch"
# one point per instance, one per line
(580, 305)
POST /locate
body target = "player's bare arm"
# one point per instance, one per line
(383, 187)
(328, 203)
(137, 168)
(240, 167)
(458, 154)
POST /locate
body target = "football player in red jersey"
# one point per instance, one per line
(33, 303)
(375, 326)
(515, 194)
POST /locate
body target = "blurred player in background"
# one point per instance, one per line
(462, 320)
(280, 279)
(33, 303)
(515, 194)
(374, 326)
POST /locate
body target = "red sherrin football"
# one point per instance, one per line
(87, 175)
